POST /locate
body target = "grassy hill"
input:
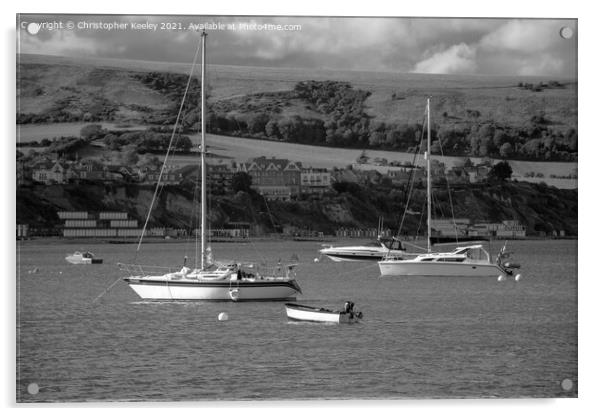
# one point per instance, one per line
(45, 80)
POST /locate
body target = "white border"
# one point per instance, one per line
(589, 173)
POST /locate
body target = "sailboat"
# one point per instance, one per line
(230, 281)
(470, 260)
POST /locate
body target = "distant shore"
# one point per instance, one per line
(325, 240)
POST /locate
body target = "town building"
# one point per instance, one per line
(463, 227)
(219, 178)
(53, 172)
(275, 179)
(315, 181)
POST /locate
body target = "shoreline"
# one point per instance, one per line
(325, 240)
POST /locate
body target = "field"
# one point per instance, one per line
(226, 148)
(496, 98)
(45, 81)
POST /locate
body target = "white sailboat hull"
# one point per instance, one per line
(214, 291)
(417, 268)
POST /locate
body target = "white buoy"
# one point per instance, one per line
(33, 389)
(501, 278)
(316, 260)
(222, 316)
(517, 277)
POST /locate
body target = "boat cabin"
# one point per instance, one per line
(472, 254)
(392, 244)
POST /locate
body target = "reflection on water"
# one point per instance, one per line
(420, 337)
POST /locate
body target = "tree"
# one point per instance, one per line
(377, 138)
(241, 181)
(130, 158)
(91, 131)
(506, 150)
(475, 144)
(256, 122)
(500, 172)
(271, 129)
(500, 137)
(485, 146)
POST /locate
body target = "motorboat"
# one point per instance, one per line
(83, 258)
(372, 251)
(296, 312)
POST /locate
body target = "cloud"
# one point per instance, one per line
(433, 45)
(457, 59)
(543, 64)
(515, 47)
(525, 36)
(58, 43)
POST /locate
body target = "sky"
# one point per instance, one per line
(522, 47)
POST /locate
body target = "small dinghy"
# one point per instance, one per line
(297, 312)
(83, 258)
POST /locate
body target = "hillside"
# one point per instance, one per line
(537, 206)
(474, 115)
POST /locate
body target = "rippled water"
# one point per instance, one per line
(420, 337)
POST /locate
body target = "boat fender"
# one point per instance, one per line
(234, 294)
(509, 265)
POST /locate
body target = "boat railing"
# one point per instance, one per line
(145, 270)
(279, 271)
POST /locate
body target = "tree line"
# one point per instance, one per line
(325, 113)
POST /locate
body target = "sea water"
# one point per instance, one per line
(421, 337)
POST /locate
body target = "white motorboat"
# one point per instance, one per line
(83, 258)
(297, 312)
(210, 280)
(372, 251)
(472, 260)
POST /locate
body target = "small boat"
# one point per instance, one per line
(83, 258)
(296, 312)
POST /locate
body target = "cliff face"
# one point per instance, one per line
(537, 206)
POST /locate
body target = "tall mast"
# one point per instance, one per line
(428, 174)
(203, 152)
